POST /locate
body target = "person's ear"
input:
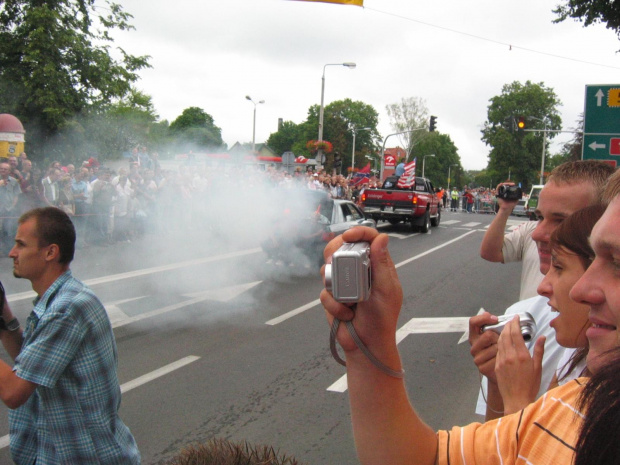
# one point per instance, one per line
(53, 252)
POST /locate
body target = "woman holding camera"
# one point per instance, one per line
(518, 373)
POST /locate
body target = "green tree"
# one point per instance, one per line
(446, 155)
(339, 118)
(55, 63)
(284, 139)
(196, 128)
(409, 115)
(591, 12)
(519, 152)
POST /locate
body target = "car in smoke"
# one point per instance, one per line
(520, 208)
(306, 222)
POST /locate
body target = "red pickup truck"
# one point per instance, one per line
(417, 205)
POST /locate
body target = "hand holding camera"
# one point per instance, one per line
(509, 192)
(348, 277)
(370, 317)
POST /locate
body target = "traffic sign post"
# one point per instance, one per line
(601, 138)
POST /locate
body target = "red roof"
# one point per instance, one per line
(9, 123)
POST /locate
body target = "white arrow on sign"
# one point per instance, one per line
(599, 97)
(594, 146)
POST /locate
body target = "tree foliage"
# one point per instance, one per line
(410, 115)
(446, 155)
(591, 12)
(56, 62)
(514, 151)
(284, 139)
(195, 127)
(339, 118)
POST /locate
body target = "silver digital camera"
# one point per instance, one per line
(348, 276)
(526, 321)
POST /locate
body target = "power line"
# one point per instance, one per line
(486, 39)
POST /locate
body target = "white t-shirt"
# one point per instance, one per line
(541, 312)
(519, 247)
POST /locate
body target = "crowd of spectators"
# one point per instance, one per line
(110, 205)
(139, 196)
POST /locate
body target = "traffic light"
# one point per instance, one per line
(521, 123)
(433, 124)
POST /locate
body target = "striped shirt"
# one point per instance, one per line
(69, 351)
(545, 432)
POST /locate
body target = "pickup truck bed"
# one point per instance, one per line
(417, 205)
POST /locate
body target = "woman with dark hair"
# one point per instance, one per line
(598, 438)
(571, 255)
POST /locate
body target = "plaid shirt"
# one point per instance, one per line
(69, 351)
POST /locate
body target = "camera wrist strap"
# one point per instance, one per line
(375, 361)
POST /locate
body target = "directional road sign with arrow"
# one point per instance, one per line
(601, 140)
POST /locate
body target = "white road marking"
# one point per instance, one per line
(115, 314)
(450, 222)
(146, 271)
(316, 302)
(416, 326)
(128, 386)
(222, 295)
(402, 236)
(471, 225)
(292, 313)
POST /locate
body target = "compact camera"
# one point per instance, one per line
(348, 276)
(526, 321)
(509, 192)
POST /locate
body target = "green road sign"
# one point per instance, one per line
(601, 139)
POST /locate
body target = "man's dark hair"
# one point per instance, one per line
(223, 452)
(53, 226)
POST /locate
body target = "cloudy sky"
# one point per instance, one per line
(454, 54)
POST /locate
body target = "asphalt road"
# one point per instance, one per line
(215, 342)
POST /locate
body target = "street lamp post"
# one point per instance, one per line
(254, 123)
(456, 164)
(424, 161)
(348, 65)
(354, 130)
(385, 142)
(544, 147)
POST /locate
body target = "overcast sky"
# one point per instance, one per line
(454, 54)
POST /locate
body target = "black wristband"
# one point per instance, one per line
(12, 325)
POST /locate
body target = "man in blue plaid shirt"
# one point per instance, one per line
(63, 390)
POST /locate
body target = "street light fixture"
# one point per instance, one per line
(544, 145)
(348, 65)
(374, 163)
(254, 123)
(354, 130)
(424, 161)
